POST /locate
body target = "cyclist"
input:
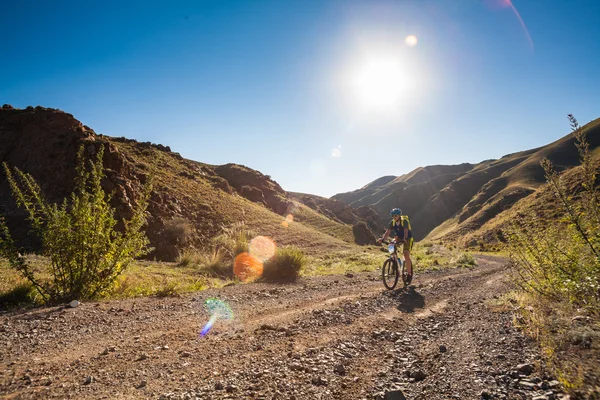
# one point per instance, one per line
(401, 230)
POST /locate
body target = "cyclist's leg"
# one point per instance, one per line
(406, 250)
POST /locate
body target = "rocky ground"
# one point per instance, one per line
(335, 337)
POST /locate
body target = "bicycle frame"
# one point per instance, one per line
(395, 255)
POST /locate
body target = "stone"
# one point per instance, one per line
(340, 369)
(525, 369)
(394, 395)
(443, 348)
(418, 375)
(527, 385)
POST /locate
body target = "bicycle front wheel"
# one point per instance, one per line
(389, 273)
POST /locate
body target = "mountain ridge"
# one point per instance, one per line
(469, 194)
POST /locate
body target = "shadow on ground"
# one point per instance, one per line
(409, 300)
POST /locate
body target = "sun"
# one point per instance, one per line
(380, 82)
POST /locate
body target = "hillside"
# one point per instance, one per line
(452, 202)
(191, 201)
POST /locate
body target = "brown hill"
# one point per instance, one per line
(451, 202)
(190, 203)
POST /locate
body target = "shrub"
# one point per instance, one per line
(86, 253)
(285, 266)
(466, 259)
(211, 262)
(177, 231)
(233, 240)
(561, 261)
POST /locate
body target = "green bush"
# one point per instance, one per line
(466, 259)
(285, 265)
(87, 254)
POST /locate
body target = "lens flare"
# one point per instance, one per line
(500, 4)
(262, 248)
(336, 152)
(247, 267)
(217, 309)
(288, 220)
(411, 40)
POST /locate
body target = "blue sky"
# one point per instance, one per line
(273, 84)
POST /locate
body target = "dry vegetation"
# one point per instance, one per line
(557, 266)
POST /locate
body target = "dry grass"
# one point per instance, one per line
(310, 218)
(285, 266)
(569, 339)
(142, 278)
(213, 262)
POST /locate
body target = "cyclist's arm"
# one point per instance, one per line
(385, 235)
(405, 234)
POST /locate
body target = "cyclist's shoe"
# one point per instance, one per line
(408, 279)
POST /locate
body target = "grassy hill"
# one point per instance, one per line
(191, 201)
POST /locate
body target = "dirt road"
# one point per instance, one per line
(335, 337)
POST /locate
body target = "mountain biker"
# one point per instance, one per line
(400, 228)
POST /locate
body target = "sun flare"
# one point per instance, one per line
(380, 82)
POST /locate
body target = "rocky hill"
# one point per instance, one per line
(190, 203)
(454, 202)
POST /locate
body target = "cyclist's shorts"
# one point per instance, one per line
(408, 245)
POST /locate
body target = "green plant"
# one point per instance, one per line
(466, 259)
(285, 266)
(211, 262)
(234, 239)
(86, 252)
(560, 259)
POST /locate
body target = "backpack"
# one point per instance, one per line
(402, 219)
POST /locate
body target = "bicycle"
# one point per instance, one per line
(392, 267)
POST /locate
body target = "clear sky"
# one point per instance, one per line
(323, 95)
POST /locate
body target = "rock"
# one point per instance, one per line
(542, 397)
(443, 348)
(501, 357)
(418, 375)
(296, 367)
(349, 275)
(165, 347)
(340, 369)
(230, 388)
(218, 386)
(186, 354)
(142, 357)
(363, 235)
(89, 380)
(485, 394)
(74, 304)
(141, 385)
(527, 385)
(319, 381)
(394, 395)
(525, 369)
(553, 384)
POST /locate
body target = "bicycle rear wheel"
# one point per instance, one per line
(389, 273)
